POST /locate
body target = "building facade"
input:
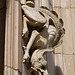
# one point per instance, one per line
(60, 62)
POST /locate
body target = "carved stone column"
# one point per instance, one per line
(12, 65)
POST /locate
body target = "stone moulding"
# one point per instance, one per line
(42, 32)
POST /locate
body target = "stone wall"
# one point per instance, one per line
(65, 54)
(60, 63)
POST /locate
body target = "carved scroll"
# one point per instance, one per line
(42, 32)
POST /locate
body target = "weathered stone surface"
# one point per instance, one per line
(72, 3)
(59, 49)
(13, 35)
(73, 27)
(22, 1)
(45, 3)
(17, 21)
(7, 32)
(33, 19)
(51, 4)
(65, 3)
(37, 3)
(68, 65)
(68, 38)
(11, 71)
(56, 3)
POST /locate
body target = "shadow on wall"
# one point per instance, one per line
(2, 34)
(50, 63)
(58, 70)
(52, 69)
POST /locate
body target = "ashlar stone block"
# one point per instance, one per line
(56, 3)
(59, 50)
(65, 3)
(68, 37)
(68, 65)
(72, 3)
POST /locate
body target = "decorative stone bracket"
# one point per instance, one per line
(42, 32)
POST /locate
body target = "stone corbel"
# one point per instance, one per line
(42, 32)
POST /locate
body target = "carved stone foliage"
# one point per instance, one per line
(42, 32)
